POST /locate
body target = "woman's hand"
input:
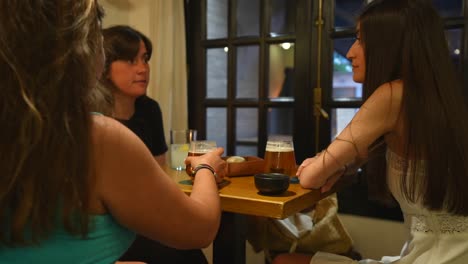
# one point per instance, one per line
(332, 180)
(312, 174)
(213, 159)
(304, 164)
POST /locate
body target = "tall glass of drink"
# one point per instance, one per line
(180, 140)
(198, 148)
(279, 155)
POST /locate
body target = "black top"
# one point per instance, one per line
(147, 124)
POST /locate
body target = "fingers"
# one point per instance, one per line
(209, 156)
(304, 164)
(219, 151)
(212, 158)
(299, 170)
(311, 175)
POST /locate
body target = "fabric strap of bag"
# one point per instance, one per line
(318, 229)
(295, 227)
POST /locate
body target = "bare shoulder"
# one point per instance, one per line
(381, 111)
(108, 132)
(390, 92)
(117, 154)
(385, 101)
(106, 128)
(113, 143)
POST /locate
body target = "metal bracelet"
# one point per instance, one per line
(204, 166)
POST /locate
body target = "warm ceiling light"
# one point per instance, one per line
(286, 45)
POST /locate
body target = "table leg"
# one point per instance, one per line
(229, 244)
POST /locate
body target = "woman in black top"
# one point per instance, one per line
(126, 75)
(147, 123)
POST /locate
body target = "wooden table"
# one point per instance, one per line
(241, 198)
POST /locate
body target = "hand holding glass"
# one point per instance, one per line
(198, 148)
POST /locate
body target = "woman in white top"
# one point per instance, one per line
(412, 131)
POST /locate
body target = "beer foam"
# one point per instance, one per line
(278, 146)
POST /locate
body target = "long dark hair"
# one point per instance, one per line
(48, 54)
(404, 39)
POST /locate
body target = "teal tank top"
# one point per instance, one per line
(106, 242)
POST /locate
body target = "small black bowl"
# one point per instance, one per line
(271, 183)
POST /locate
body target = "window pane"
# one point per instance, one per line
(246, 150)
(248, 17)
(449, 8)
(216, 124)
(344, 88)
(216, 19)
(283, 15)
(281, 72)
(346, 12)
(246, 131)
(247, 72)
(280, 121)
(454, 38)
(340, 118)
(216, 73)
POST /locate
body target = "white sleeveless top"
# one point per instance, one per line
(437, 237)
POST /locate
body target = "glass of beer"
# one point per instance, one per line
(279, 155)
(198, 148)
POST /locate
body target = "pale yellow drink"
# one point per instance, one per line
(178, 154)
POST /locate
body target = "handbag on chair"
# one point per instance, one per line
(317, 229)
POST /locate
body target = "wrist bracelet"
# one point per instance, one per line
(204, 166)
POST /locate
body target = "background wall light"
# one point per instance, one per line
(286, 45)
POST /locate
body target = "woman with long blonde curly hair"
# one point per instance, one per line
(76, 187)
